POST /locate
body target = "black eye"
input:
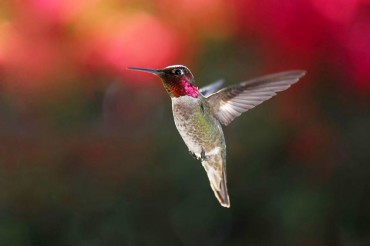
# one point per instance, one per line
(178, 71)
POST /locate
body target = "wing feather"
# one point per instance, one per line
(232, 101)
(211, 88)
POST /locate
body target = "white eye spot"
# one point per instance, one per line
(178, 71)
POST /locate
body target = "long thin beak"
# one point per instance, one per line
(148, 70)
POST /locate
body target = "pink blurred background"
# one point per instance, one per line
(42, 39)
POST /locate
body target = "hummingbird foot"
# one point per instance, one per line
(194, 155)
(203, 156)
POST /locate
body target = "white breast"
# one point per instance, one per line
(185, 111)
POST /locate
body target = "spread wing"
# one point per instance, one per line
(211, 88)
(232, 101)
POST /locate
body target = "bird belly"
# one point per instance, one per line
(200, 131)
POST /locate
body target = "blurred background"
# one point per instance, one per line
(89, 153)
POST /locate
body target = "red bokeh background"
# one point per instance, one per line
(42, 39)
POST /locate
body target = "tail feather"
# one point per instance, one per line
(222, 194)
(216, 172)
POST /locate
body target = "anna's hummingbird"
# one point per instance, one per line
(199, 113)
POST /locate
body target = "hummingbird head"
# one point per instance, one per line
(177, 80)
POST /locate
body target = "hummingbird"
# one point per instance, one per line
(199, 113)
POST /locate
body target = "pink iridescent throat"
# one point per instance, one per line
(186, 89)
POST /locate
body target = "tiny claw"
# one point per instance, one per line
(203, 156)
(193, 155)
